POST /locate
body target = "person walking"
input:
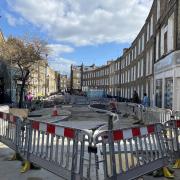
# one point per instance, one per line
(145, 100)
(135, 97)
(29, 99)
(113, 106)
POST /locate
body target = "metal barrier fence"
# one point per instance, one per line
(9, 130)
(176, 114)
(156, 115)
(130, 153)
(173, 140)
(61, 150)
(77, 154)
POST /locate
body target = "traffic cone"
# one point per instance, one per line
(55, 112)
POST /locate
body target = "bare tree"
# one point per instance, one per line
(23, 53)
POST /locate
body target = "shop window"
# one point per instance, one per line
(168, 99)
(159, 93)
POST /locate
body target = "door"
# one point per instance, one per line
(1, 90)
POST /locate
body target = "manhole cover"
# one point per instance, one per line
(34, 178)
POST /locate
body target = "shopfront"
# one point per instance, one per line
(167, 82)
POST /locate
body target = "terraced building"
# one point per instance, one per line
(151, 64)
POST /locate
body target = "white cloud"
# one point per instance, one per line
(85, 22)
(58, 49)
(12, 21)
(61, 64)
(56, 61)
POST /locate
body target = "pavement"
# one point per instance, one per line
(10, 170)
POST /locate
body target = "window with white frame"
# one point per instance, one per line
(135, 52)
(134, 73)
(142, 42)
(163, 35)
(158, 9)
(151, 26)
(147, 62)
(139, 46)
(157, 46)
(138, 69)
(147, 32)
(170, 43)
(142, 66)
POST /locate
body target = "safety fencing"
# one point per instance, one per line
(150, 115)
(156, 115)
(61, 150)
(173, 140)
(78, 154)
(130, 153)
(9, 130)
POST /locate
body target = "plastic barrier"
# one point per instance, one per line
(130, 153)
(173, 137)
(61, 150)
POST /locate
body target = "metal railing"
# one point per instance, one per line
(61, 150)
(130, 153)
(173, 139)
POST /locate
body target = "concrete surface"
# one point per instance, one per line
(10, 170)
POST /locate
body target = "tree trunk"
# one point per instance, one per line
(24, 79)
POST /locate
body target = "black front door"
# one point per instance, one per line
(1, 90)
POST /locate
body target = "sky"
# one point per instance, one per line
(77, 31)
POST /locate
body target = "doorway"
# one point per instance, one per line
(1, 90)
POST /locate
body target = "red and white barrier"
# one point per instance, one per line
(54, 129)
(134, 132)
(8, 117)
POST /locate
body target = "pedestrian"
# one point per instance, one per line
(135, 97)
(113, 106)
(29, 99)
(145, 100)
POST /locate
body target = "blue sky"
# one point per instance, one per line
(88, 31)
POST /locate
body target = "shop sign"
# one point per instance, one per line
(167, 62)
(164, 63)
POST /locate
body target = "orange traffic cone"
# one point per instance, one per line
(55, 112)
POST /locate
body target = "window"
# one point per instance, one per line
(163, 39)
(142, 67)
(138, 69)
(134, 72)
(165, 42)
(151, 26)
(158, 9)
(147, 62)
(147, 32)
(157, 46)
(135, 52)
(170, 35)
(142, 42)
(139, 46)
